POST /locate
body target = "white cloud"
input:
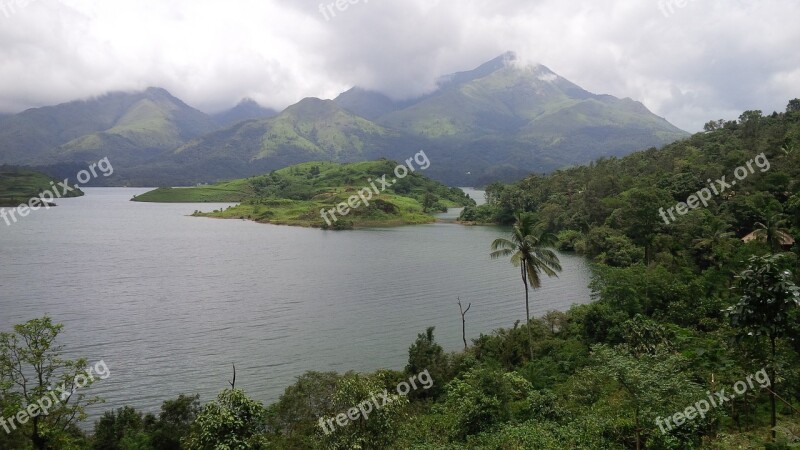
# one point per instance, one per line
(709, 59)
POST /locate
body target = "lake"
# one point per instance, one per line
(169, 301)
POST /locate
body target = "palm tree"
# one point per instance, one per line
(719, 238)
(527, 248)
(774, 232)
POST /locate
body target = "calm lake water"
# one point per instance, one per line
(169, 302)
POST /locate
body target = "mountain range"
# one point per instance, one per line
(500, 121)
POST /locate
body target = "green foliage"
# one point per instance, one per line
(768, 297)
(611, 247)
(127, 429)
(380, 429)
(646, 337)
(31, 363)
(481, 399)
(426, 354)
(294, 417)
(545, 436)
(477, 215)
(233, 421)
(651, 385)
(570, 240)
(174, 421)
(120, 430)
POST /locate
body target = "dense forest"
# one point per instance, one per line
(691, 341)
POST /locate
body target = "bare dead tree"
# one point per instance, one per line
(464, 322)
(233, 383)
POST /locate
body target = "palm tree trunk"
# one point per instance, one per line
(772, 391)
(527, 309)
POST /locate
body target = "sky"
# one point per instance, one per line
(689, 61)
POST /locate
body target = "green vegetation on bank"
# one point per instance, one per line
(18, 186)
(295, 195)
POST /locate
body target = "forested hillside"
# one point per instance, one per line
(18, 186)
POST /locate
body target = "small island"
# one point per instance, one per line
(18, 186)
(300, 194)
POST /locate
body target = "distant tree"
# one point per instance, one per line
(426, 354)
(639, 216)
(528, 251)
(402, 186)
(793, 206)
(751, 123)
(644, 336)
(481, 399)
(379, 430)
(769, 298)
(793, 106)
(653, 385)
(493, 193)
(750, 116)
(297, 411)
(774, 232)
(429, 201)
(714, 125)
(464, 322)
(717, 239)
(174, 422)
(747, 210)
(612, 247)
(121, 430)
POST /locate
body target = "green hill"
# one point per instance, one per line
(296, 195)
(312, 129)
(18, 186)
(129, 128)
(605, 194)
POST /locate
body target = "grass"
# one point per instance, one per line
(229, 192)
(296, 195)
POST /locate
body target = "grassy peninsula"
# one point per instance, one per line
(295, 196)
(18, 186)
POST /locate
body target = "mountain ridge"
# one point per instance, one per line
(498, 121)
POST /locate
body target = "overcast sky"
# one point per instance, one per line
(706, 60)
